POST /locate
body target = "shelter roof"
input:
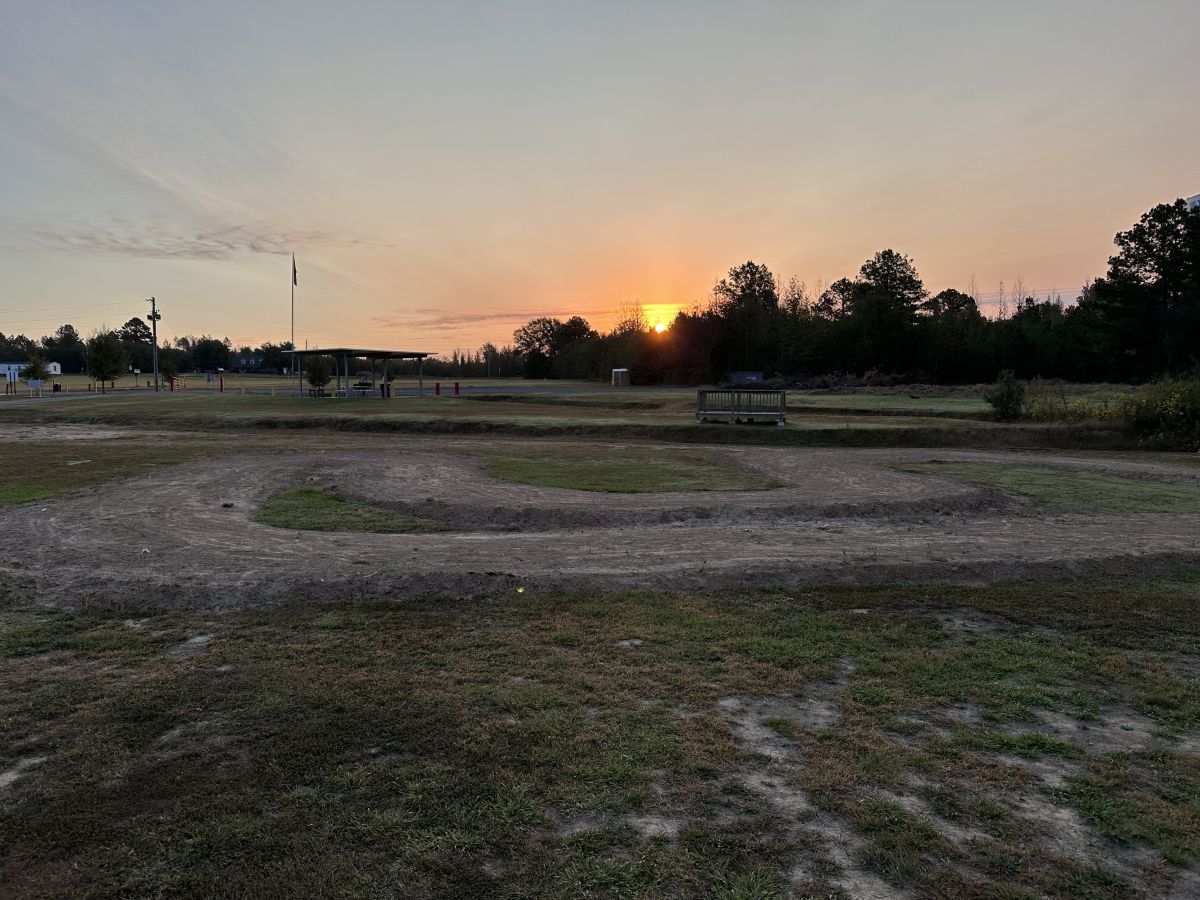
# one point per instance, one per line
(360, 353)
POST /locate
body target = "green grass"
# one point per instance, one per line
(434, 749)
(12, 494)
(1072, 490)
(35, 470)
(627, 473)
(1122, 803)
(305, 509)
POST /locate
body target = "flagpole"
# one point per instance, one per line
(295, 368)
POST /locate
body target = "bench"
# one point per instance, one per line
(736, 405)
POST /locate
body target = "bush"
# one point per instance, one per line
(1166, 416)
(1007, 398)
(35, 369)
(318, 372)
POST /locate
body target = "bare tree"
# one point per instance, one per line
(1019, 294)
(631, 318)
(795, 296)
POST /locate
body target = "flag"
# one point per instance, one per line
(294, 281)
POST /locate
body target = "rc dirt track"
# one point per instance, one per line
(184, 536)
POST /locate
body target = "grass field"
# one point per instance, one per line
(563, 415)
(305, 509)
(36, 470)
(627, 473)
(1073, 490)
(1025, 739)
(605, 745)
(966, 402)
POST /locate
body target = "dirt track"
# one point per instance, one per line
(183, 536)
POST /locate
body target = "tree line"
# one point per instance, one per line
(1139, 321)
(133, 347)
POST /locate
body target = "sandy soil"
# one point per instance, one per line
(183, 536)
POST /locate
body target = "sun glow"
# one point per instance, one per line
(660, 327)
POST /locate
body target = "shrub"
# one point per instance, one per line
(1007, 398)
(1166, 416)
(35, 369)
(1046, 402)
(318, 372)
(107, 358)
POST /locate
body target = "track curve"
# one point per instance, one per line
(183, 536)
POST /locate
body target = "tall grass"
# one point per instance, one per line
(1164, 415)
(1167, 414)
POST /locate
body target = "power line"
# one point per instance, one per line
(10, 322)
(75, 306)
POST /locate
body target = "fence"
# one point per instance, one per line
(741, 406)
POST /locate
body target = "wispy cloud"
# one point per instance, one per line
(433, 319)
(171, 241)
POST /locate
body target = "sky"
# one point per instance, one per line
(446, 171)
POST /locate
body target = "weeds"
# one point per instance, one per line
(1163, 416)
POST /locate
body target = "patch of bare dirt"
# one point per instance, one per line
(193, 645)
(1118, 729)
(750, 719)
(961, 623)
(836, 842)
(1051, 771)
(71, 433)
(10, 775)
(959, 835)
(655, 826)
(580, 824)
(1065, 834)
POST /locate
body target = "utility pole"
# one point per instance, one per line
(155, 315)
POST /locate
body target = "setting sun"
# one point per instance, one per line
(660, 327)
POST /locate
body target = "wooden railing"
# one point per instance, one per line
(734, 405)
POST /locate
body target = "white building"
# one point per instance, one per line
(1194, 202)
(11, 371)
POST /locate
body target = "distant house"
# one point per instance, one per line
(240, 363)
(11, 371)
(1194, 202)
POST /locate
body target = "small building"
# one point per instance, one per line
(244, 364)
(620, 378)
(1194, 202)
(11, 371)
